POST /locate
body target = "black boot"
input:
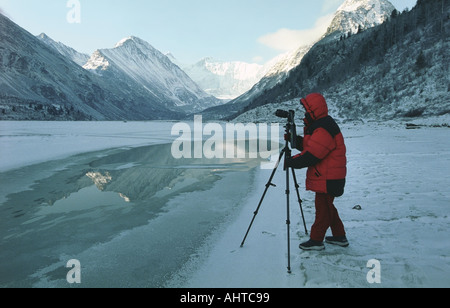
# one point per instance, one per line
(312, 245)
(337, 240)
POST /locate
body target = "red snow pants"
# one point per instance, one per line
(326, 217)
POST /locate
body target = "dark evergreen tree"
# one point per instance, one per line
(421, 61)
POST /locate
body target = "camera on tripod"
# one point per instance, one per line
(286, 115)
(290, 135)
(291, 129)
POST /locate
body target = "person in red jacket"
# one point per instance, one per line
(323, 151)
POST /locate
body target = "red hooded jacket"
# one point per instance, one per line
(323, 149)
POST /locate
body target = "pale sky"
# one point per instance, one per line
(231, 30)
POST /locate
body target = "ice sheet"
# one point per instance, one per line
(135, 213)
(24, 143)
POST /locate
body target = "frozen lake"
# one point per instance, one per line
(132, 215)
(110, 195)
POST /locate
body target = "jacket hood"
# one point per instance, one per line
(315, 105)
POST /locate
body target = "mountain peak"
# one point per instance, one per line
(133, 40)
(367, 5)
(124, 41)
(47, 39)
(134, 61)
(355, 14)
(43, 36)
(78, 57)
(354, 5)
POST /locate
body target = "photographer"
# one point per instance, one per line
(324, 153)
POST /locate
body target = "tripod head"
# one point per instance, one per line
(290, 128)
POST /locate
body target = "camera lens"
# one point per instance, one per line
(282, 114)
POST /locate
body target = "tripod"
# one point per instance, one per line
(286, 152)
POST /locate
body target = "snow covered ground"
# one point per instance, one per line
(110, 196)
(400, 179)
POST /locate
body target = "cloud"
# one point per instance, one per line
(288, 39)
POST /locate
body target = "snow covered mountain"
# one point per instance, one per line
(77, 57)
(273, 73)
(355, 15)
(37, 82)
(279, 68)
(41, 79)
(229, 80)
(135, 60)
(225, 80)
(285, 62)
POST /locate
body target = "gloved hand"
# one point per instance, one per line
(308, 120)
(299, 141)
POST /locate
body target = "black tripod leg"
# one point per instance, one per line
(269, 183)
(299, 199)
(288, 221)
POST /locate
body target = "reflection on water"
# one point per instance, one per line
(99, 195)
(99, 179)
(85, 199)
